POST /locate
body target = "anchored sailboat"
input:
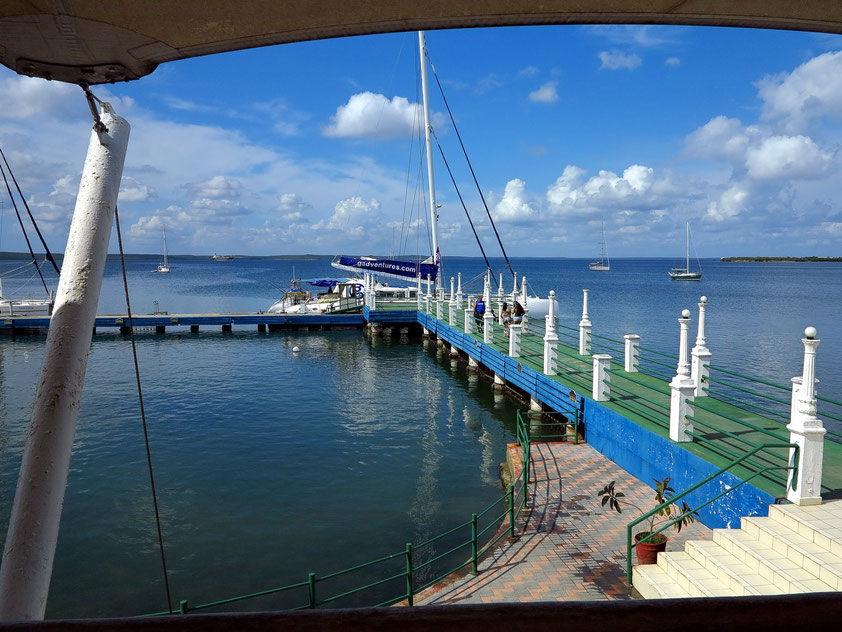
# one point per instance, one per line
(685, 274)
(164, 266)
(604, 263)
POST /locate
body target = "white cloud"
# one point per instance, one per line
(812, 90)
(790, 157)
(515, 204)
(545, 94)
(731, 203)
(369, 115)
(352, 216)
(133, 191)
(529, 71)
(721, 137)
(617, 60)
(674, 62)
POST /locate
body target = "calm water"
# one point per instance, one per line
(272, 464)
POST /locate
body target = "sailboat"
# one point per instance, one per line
(684, 274)
(406, 270)
(604, 263)
(164, 266)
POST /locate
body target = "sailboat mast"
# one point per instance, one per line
(431, 180)
(687, 264)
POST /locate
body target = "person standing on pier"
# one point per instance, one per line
(505, 318)
(479, 312)
(517, 313)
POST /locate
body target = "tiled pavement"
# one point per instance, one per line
(571, 548)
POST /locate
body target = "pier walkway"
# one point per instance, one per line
(571, 549)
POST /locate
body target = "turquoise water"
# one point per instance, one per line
(271, 464)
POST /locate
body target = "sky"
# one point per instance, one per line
(313, 148)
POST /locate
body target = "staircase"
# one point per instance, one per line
(795, 550)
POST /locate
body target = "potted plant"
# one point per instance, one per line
(649, 543)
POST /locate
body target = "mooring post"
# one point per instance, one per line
(34, 521)
(487, 317)
(601, 387)
(550, 339)
(631, 347)
(700, 363)
(804, 486)
(585, 327)
(682, 388)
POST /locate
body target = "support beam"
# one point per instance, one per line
(33, 525)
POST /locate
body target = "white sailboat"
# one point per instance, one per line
(685, 274)
(604, 263)
(164, 266)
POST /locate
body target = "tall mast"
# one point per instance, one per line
(687, 265)
(431, 179)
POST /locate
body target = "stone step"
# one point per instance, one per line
(820, 523)
(652, 582)
(693, 577)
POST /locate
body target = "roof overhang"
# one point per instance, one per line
(96, 41)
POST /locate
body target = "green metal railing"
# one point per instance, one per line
(486, 529)
(680, 516)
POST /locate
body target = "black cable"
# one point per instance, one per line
(23, 229)
(31, 218)
(143, 414)
(468, 160)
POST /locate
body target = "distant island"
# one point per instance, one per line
(764, 259)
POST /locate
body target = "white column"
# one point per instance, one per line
(487, 317)
(469, 321)
(499, 381)
(535, 404)
(452, 293)
(585, 327)
(451, 306)
(500, 289)
(418, 293)
(631, 346)
(427, 303)
(514, 288)
(459, 292)
(34, 521)
(514, 340)
(550, 339)
(373, 293)
(429, 291)
(806, 430)
(438, 305)
(682, 388)
(601, 377)
(700, 363)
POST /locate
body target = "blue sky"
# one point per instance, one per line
(305, 148)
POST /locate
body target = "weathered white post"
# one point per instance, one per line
(700, 365)
(469, 321)
(524, 303)
(451, 305)
(500, 289)
(682, 388)
(601, 377)
(36, 512)
(487, 317)
(418, 293)
(514, 340)
(459, 292)
(429, 290)
(373, 293)
(585, 327)
(438, 304)
(427, 298)
(514, 288)
(631, 346)
(550, 339)
(806, 430)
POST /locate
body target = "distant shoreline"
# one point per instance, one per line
(765, 259)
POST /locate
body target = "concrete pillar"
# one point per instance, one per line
(585, 327)
(487, 317)
(427, 304)
(806, 430)
(36, 512)
(469, 321)
(472, 363)
(550, 339)
(515, 331)
(601, 377)
(499, 382)
(438, 307)
(535, 405)
(700, 356)
(682, 388)
(631, 347)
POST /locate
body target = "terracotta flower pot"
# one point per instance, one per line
(647, 552)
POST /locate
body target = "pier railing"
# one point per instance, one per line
(400, 576)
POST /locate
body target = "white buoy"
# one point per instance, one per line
(295, 349)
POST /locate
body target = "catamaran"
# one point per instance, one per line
(604, 263)
(685, 274)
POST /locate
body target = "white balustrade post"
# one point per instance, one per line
(418, 292)
(500, 289)
(550, 339)
(806, 431)
(682, 388)
(601, 377)
(631, 346)
(452, 293)
(30, 543)
(438, 305)
(515, 332)
(459, 291)
(427, 303)
(700, 363)
(514, 288)
(487, 317)
(469, 321)
(451, 305)
(585, 327)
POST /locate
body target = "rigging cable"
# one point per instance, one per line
(31, 218)
(143, 414)
(470, 166)
(25, 236)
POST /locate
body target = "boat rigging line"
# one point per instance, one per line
(143, 414)
(470, 166)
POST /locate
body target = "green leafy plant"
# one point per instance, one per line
(683, 514)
